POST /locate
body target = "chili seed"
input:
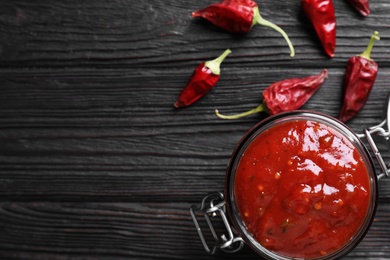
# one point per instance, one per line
(318, 205)
(340, 202)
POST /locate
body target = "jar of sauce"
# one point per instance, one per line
(299, 185)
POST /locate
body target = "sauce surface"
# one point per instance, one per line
(302, 189)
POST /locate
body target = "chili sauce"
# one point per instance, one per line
(302, 189)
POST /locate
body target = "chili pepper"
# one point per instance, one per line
(359, 79)
(238, 16)
(285, 95)
(362, 6)
(321, 14)
(203, 79)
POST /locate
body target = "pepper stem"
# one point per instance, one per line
(257, 19)
(258, 109)
(215, 65)
(366, 54)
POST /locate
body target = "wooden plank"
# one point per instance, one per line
(72, 133)
(163, 34)
(42, 230)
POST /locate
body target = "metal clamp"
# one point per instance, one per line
(213, 205)
(377, 130)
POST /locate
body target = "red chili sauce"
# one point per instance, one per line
(302, 189)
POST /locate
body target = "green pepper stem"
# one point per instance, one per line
(258, 109)
(257, 19)
(215, 65)
(367, 53)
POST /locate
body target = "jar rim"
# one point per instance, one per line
(268, 123)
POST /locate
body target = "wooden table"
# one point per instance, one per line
(95, 163)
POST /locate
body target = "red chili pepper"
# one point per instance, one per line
(321, 14)
(238, 16)
(362, 6)
(285, 95)
(359, 79)
(203, 79)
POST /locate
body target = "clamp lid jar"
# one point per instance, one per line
(299, 185)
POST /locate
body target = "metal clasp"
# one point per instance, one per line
(213, 205)
(378, 130)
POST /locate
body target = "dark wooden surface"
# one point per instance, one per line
(95, 163)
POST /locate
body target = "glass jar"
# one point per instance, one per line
(227, 207)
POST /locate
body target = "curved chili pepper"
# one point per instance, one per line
(359, 79)
(321, 14)
(238, 16)
(362, 6)
(202, 80)
(285, 95)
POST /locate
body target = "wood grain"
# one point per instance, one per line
(162, 34)
(95, 163)
(44, 230)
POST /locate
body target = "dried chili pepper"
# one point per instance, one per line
(203, 79)
(321, 14)
(285, 95)
(362, 6)
(359, 79)
(238, 16)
